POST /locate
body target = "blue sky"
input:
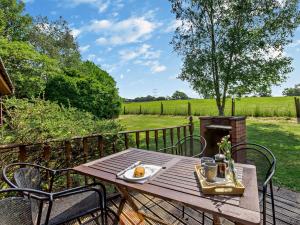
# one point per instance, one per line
(130, 39)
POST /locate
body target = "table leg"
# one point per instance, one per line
(127, 198)
(216, 220)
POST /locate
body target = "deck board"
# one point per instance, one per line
(287, 210)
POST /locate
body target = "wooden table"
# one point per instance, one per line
(177, 182)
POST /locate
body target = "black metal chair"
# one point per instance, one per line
(60, 206)
(15, 207)
(193, 145)
(265, 163)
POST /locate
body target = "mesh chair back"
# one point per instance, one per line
(257, 155)
(15, 210)
(192, 146)
(28, 178)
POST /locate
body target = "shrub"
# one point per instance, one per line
(36, 120)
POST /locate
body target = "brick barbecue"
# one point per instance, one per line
(213, 128)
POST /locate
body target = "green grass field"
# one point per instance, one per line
(281, 135)
(252, 106)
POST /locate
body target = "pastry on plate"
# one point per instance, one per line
(139, 171)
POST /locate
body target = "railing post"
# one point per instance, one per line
(191, 125)
(46, 155)
(137, 139)
(100, 146)
(68, 149)
(140, 109)
(232, 107)
(189, 109)
(165, 138)
(172, 139)
(147, 139)
(124, 110)
(161, 108)
(297, 105)
(156, 139)
(126, 140)
(85, 149)
(22, 153)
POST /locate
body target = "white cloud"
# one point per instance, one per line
(75, 32)
(27, 1)
(84, 48)
(131, 30)
(156, 68)
(122, 76)
(173, 26)
(145, 52)
(91, 57)
(101, 5)
(98, 25)
(144, 55)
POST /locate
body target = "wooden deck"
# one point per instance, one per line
(287, 210)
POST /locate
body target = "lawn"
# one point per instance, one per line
(250, 106)
(281, 135)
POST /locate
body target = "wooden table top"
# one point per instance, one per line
(177, 182)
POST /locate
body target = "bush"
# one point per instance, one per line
(87, 88)
(36, 120)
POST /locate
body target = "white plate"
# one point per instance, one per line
(129, 174)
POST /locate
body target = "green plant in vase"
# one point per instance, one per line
(225, 148)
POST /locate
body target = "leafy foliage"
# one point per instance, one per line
(14, 23)
(88, 88)
(234, 47)
(42, 56)
(28, 68)
(36, 120)
(54, 39)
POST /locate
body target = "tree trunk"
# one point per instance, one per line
(221, 110)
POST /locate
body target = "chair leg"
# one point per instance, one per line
(183, 209)
(203, 218)
(273, 203)
(264, 205)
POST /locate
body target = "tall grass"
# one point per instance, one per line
(251, 106)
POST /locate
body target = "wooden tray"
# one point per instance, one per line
(220, 189)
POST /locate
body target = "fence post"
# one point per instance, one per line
(124, 111)
(297, 105)
(161, 108)
(232, 107)
(140, 109)
(189, 109)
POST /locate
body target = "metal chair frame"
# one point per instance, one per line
(178, 146)
(49, 197)
(265, 152)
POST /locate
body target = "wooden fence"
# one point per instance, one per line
(72, 152)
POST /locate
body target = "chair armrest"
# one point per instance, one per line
(269, 178)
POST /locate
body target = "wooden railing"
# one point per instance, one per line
(69, 153)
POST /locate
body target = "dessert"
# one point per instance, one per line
(139, 171)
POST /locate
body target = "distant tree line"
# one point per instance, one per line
(177, 95)
(295, 91)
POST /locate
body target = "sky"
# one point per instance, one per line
(130, 39)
